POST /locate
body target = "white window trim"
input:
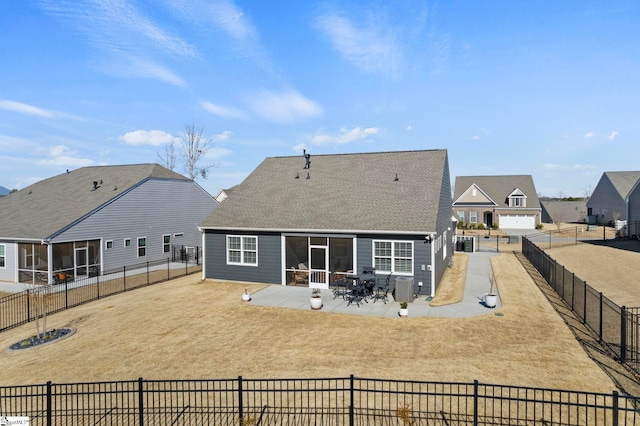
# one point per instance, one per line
(166, 244)
(474, 216)
(4, 256)
(106, 245)
(242, 250)
(124, 243)
(393, 262)
(146, 246)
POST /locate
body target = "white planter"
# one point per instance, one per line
(246, 297)
(490, 300)
(404, 312)
(316, 303)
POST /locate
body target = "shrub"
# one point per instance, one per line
(539, 226)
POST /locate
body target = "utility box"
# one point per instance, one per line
(404, 289)
(514, 239)
(468, 245)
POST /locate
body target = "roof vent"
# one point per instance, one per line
(297, 176)
(308, 177)
(396, 179)
(95, 185)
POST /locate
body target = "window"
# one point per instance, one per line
(517, 202)
(473, 216)
(461, 215)
(393, 256)
(142, 247)
(166, 243)
(108, 245)
(127, 242)
(178, 235)
(242, 250)
(2, 256)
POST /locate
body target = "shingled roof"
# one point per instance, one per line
(623, 182)
(341, 192)
(50, 205)
(498, 188)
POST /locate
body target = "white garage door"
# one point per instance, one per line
(517, 221)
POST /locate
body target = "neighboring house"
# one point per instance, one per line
(633, 212)
(289, 224)
(4, 191)
(608, 202)
(509, 201)
(93, 219)
(557, 211)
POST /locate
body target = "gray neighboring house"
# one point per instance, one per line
(509, 201)
(633, 212)
(609, 200)
(95, 219)
(557, 211)
(287, 224)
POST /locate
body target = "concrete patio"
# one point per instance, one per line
(476, 285)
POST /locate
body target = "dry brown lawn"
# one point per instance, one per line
(191, 329)
(451, 289)
(611, 270)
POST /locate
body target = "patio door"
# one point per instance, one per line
(318, 271)
(81, 262)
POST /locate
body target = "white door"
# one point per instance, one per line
(318, 272)
(81, 265)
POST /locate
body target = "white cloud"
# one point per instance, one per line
(222, 136)
(589, 135)
(147, 137)
(409, 128)
(571, 167)
(372, 48)
(283, 107)
(25, 109)
(345, 136)
(221, 111)
(60, 155)
(613, 135)
(475, 137)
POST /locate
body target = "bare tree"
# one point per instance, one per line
(586, 193)
(194, 147)
(168, 158)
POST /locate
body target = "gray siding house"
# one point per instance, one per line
(96, 219)
(609, 199)
(508, 201)
(556, 211)
(291, 223)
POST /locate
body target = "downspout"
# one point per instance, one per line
(204, 266)
(49, 260)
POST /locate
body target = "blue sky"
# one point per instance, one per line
(547, 88)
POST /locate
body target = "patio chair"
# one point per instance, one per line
(355, 295)
(382, 289)
(339, 284)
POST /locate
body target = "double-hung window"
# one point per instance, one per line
(142, 247)
(473, 216)
(461, 216)
(166, 243)
(2, 256)
(393, 256)
(242, 250)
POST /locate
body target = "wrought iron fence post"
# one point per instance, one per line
(573, 290)
(98, 284)
(351, 399)
(66, 294)
(600, 325)
(168, 269)
(623, 334)
(475, 402)
(615, 409)
(147, 272)
(584, 302)
(49, 404)
(240, 401)
(124, 278)
(140, 402)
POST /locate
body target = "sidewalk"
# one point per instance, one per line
(476, 285)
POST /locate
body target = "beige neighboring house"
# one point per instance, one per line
(509, 201)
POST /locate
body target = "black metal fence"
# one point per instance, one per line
(617, 327)
(36, 301)
(185, 254)
(323, 401)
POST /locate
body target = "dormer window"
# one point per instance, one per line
(517, 199)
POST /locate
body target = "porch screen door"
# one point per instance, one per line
(81, 258)
(318, 273)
